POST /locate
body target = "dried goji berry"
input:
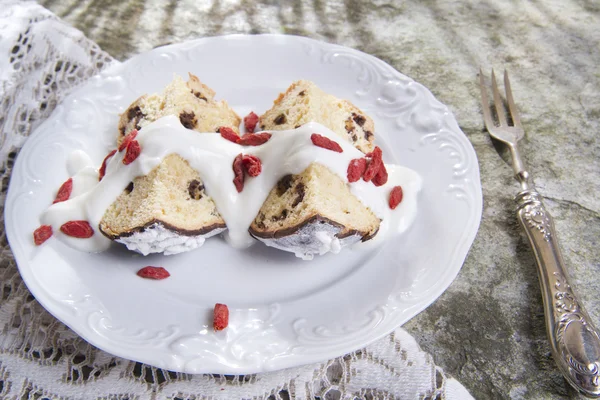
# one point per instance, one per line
(254, 139)
(150, 272)
(374, 165)
(229, 134)
(64, 192)
(102, 170)
(356, 169)
(77, 229)
(250, 122)
(41, 234)
(130, 136)
(220, 317)
(252, 165)
(381, 177)
(326, 143)
(238, 172)
(395, 196)
(133, 151)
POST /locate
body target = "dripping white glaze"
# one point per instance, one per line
(287, 152)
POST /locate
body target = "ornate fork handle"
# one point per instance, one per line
(574, 340)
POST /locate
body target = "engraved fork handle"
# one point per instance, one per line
(574, 340)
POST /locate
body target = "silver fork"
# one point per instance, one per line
(574, 340)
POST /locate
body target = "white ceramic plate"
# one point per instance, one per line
(284, 311)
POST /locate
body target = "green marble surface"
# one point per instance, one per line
(487, 329)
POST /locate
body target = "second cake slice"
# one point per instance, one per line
(315, 212)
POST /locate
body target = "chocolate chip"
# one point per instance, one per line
(302, 93)
(284, 184)
(135, 113)
(301, 190)
(359, 119)
(129, 188)
(281, 119)
(195, 189)
(188, 119)
(350, 129)
(368, 135)
(281, 216)
(260, 221)
(199, 95)
(297, 126)
(349, 125)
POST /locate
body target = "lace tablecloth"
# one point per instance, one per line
(41, 60)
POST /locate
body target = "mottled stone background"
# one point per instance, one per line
(488, 329)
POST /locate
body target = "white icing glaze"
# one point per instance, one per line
(287, 152)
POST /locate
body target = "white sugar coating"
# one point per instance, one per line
(287, 152)
(158, 239)
(315, 238)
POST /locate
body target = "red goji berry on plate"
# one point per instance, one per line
(238, 172)
(250, 122)
(255, 139)
(128, 139)
(374, 164)
(395, 197)
(252, 165)
(77, 229)
(102, 170)
(41, 234)
(220, 317)
(356, 169)
(156, 273)
(64, 192)
(381, 177)
(325, 142)
(133, 152)
(229, 134)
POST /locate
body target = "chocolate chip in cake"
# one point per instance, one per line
(359, 119)
(368, 135)
(281, 119)
(188, 119)
(199, 95)
(349, 125)
(129, 188)
(260, 221)
(195, 189)
(284, 184)
(302, 93)
(301, 190)
(135, 113)
(281, 216)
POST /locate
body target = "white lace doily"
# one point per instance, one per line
(41, 60)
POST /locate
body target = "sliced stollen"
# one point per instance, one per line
(192, 101)
(168, 211)
(305, 102)
(315, 212)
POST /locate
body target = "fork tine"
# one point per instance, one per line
(487, 116)
(514, 113)
(498, 102)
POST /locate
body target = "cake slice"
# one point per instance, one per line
(305, 102)
(192, 101)
(315, 212)
(168, 210)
